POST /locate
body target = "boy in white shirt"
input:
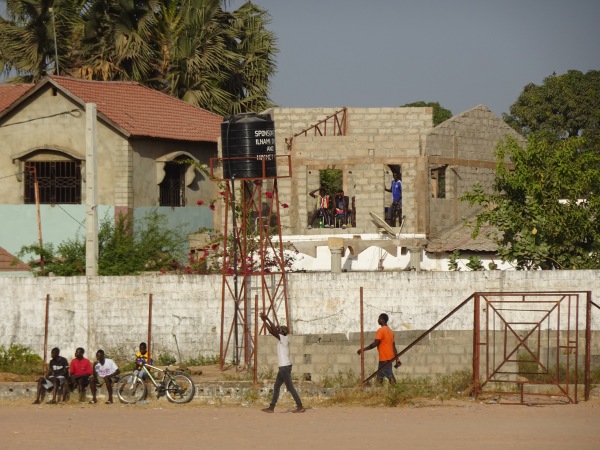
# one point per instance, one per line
(104, 371)
(284, 375)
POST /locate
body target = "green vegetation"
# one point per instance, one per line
(190, 49)
(165, 359)
(545, 211)
(202, 360)
(19, 359)
(331, 180)
(439, 114)
(123, 248)
(473, 262)
(406, 390)
(563, 106)
(340, 380)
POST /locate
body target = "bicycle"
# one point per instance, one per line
(175, 385)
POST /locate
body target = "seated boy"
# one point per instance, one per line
(80, 371)
(58, 371)
(105, 372)
(142, 357)
(341, 209)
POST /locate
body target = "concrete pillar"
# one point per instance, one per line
(415, 258)
(336, 245)
(91, 194)
(422, 196)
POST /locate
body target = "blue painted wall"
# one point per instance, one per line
(19, 227)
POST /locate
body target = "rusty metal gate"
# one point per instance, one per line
(526, 346)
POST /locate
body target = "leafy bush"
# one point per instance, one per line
(201, 360)
(122, 248)
(19, 359)
(342, 379)
(166, 359)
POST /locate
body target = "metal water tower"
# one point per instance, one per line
(254, 275)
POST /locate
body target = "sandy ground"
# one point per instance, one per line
(460, 425)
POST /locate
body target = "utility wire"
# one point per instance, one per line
(13, 175)
(73, 112)
(80, 224)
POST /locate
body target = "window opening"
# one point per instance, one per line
(172, 188)
(393, 212)
(58, 182)
(438, 182)
(330, 182)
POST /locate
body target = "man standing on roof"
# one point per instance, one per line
(396, 208)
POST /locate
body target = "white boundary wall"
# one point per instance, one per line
(112, 312)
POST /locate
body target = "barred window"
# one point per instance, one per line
(172, 188)
(58, 181)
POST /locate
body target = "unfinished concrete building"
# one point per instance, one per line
(366, 145)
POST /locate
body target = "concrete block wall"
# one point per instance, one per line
(375, 138)
(450, 211)
(112, 312)
(315, 357)
(466, 143)
(471, 135)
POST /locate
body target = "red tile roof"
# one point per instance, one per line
(144, 112)
(6, 262)
(9, 93)
(135, 109)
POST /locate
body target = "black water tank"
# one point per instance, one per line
(251, 138)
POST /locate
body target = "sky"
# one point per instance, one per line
(460, 53)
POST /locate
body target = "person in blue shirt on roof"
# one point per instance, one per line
(396, 208)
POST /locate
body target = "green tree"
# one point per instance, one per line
(563, 106)
(546, 210)
(331, 180)
(440, 114)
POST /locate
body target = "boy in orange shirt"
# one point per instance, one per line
(386, 345)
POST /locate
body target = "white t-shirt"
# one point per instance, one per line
(283, 351)
(105, 369)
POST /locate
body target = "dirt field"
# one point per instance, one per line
(460, 425)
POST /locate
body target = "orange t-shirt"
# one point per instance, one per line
(385, 336)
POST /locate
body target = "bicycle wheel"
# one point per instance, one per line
(180, 388)
(131, 389)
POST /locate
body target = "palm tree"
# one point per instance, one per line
(117, 41)
(191, 49)
(196, 61)
(36, 37)
(214, 59)
(249, 82)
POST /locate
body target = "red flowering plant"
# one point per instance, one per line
(209, 259)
